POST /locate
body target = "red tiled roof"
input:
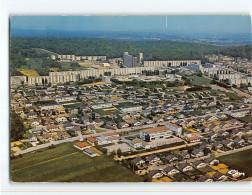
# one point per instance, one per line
(174, 125)
(194, 137)
(110, 134)
(52, 127)
(81, 145)
(91, 139)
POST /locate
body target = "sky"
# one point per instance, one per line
(213, 24)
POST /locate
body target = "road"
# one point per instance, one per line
(233, 151)
(241, 92)
(56, 143)
(157, 151)
(31, 149)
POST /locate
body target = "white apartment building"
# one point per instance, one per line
(65, 98)
(155, 133)
(171, 63)
(128, 109)
(177, 129)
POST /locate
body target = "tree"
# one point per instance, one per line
(113, 153)
(147, 137)
(147, 178)
(71, 133)
(124, 85)
(206, 151)
(119, 152)
(17, 127)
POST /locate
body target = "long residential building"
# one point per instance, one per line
(68, 76)
(171, 63)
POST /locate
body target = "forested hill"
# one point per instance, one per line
(153, 50)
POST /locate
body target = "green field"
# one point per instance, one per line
(104, 112)
(240, 160)
(66, 66)
(124, 104)
(233, 96)
(196, 80)
(68, 164)
(247, 119)
(32, 63)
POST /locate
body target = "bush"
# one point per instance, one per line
(52, 146)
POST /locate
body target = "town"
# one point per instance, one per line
(165, 121)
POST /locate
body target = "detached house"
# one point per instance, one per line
(91, 140)
(98, 122)
(155, 174)
(62, 135)
(185, 155)
(152, 159)
(73, 118)
(171, 158)
(32, 138)
(34, 124)
(31, 115)
(111, 125)
(47, 137)
(205, 178)
(227, 143)
(197, 153)
(52, 128)
(211, 161)
(217, 145)
(239, 141)
(198, 164)
(170, 171)
(223, 133)
(218, 176)
(80, 145)
(138, 161)
(185, 167)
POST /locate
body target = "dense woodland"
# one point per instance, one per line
(17, 127)
(21, 48)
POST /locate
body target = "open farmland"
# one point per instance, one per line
(68, 164)
(239, 160)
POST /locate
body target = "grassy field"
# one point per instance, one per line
(247, 119)
(106, 111)
(32, 63)
(240, 160)
(68, 164)
(67, 66)
(196, 80)
(124, 104)
(233, 96)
